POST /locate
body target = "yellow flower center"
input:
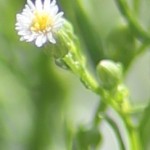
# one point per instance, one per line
(41, 22)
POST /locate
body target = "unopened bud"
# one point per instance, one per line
(66, 44)
(110, 74)
(64, 39)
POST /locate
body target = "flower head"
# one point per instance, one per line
(39, 22)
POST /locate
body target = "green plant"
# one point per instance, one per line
(98, 41)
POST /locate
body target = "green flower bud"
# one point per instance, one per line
(64, 40)
(67, 46)
(110, 74)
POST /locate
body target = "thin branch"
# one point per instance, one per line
(117, 132)
(132, 20)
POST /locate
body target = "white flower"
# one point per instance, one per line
(39, 22)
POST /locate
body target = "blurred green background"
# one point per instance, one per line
(41, 105)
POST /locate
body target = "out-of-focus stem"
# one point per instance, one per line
(117, 132)
(136, 5)
(134, 139)
(99, 114)
(130, 17)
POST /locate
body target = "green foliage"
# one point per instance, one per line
(121, 45)
(145, 128)
(34, 92)
(87, 139)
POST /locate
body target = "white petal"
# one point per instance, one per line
(51, 38)
(44, 39)
(58, 25)
(27, 11)
(22, 32)
(31, 38)
(40, 40)
(53, 2)
(27, 36)
(39, 5)
(30, 4)
(25, 18)
(59, 15)
(54, 10)
(46, 5)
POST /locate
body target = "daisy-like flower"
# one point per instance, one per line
(39, 22)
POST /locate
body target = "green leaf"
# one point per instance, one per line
(88, 138)
(145, 128)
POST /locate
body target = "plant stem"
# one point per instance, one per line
(135, 25)
(136, 4)
(139, 52)
(142, 49)
(117, 132)
(76, 64)
(48, 94)
(80, 70)
(99, 113)
(134, 139)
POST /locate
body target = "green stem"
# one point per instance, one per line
(78, 67)
(135, 25)
(136, 4)
(134, 139)
(142, 49)
(135, 142)
(48, 94)
(117, 132)
(139, 52)
(80, 70)
(99, 114)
